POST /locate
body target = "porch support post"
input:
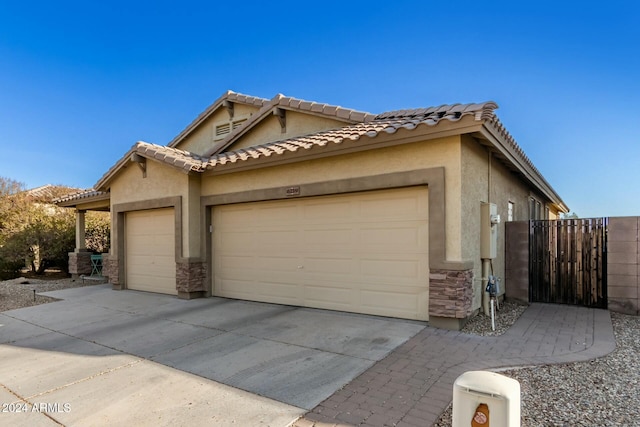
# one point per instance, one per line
(80, 258)
(81, 244)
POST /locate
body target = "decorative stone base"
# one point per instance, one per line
(190, 279)
(450, 294)
(110, 270)
(79, 263)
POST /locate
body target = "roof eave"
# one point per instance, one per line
(103, 183)
(365, 142)
(494, 132)
(88, 201)
(140, 149)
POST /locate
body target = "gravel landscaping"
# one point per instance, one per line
(601, 392)
(18, 293)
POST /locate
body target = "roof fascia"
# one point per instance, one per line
(88, 203)
(103, 183)
(402, 136)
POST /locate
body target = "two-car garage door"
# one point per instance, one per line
(358, 252)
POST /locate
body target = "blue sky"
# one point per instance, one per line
(81, 82)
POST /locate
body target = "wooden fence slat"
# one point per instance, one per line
(567, 261)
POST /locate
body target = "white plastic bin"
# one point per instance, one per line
(500, 394)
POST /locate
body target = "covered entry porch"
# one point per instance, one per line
(82, 261)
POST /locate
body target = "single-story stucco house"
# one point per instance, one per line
(308, 204)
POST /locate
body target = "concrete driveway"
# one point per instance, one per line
(105, 357)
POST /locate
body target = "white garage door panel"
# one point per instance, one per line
(398, 269)
(283, 293)
(360, 252)
(393, 304)
(340, 299)
(150, 251)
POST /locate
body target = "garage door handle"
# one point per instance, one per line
(300, 267)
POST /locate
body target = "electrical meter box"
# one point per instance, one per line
(486, 399)
(489, 220)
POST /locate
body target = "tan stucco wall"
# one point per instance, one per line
(202, 138)
(505, 187)
(418, 155)
(162, 181)
(269, 129)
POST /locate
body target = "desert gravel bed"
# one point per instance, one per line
(506, 316)
(18, 293)
(601, 392)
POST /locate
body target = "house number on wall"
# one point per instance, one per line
(293, 191)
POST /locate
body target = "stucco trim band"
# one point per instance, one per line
(187, 274)
(434, 178)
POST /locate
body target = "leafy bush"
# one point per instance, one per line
(42, 233)
(98, 231)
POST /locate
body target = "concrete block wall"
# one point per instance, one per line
(623, 264)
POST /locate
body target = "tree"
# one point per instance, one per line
(570, 215)
(35, 231)
(12, 204)
(41, 234)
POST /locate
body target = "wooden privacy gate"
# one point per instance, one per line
(568, 262)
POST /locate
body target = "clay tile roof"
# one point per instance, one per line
(81, 195)
(245, 99)
(370, 126)
(287, 102)
(173, 156)
(44, 192)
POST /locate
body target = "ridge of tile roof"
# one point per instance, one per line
(173, 156)
(510, 140)
(389, 122)
(170, 155)
(484, 110)
(227, 96)
(323, 109)
(287, 102)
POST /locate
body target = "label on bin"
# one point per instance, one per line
(481, 418)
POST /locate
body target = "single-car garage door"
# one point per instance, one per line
(359, 252)
(150, 251)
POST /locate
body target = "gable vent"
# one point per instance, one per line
(223, 129)
(238, 123)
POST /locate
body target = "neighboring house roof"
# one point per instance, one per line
(47, 193)
(43, 192)
(90, 195)
(359, 126)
